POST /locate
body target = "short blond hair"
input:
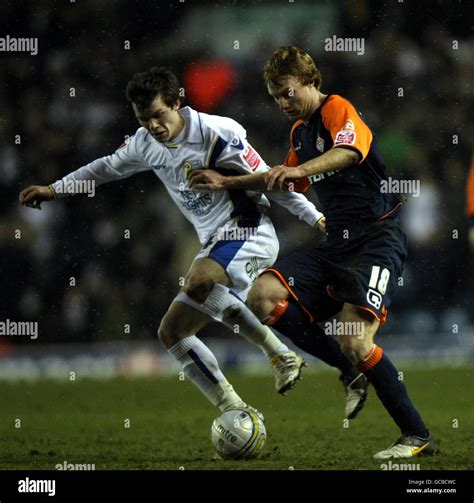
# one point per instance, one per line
(293, 61)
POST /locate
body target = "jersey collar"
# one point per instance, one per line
(193, 125)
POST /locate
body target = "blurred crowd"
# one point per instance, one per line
(107, 267)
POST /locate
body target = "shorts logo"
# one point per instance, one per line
(374, 298)
(345, 137)
(251, 268)
(251, 158)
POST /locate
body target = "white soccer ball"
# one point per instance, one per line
(238, 434)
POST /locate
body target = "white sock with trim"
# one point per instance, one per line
(200, 366)
(225, 306)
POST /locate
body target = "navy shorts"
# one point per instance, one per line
(363, 271)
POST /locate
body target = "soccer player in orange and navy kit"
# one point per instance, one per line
(356, 270)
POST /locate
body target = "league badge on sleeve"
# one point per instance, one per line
(345, 137)
(251, 158)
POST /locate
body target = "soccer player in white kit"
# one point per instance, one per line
(238, 240)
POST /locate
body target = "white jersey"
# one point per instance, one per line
(206, 141)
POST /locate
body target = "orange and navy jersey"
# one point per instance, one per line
(353, 193)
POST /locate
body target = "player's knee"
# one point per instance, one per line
(259, 302)
(198, 287)
(167, 335)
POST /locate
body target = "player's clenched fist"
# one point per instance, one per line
(34, 195)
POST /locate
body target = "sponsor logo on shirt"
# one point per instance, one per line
(251, 158)
(321, 176)
(196, 202)
(345, 137)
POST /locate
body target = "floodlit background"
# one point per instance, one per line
(68, 107)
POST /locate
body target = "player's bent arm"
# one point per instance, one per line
(332, 160)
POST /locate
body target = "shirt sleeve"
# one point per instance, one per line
(124, 162)
(297, 205)
(240, 156)
(237, 155)
(347, 128)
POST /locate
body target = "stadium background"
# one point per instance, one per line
(106, 323)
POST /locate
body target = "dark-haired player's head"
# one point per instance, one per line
(292, 77)
(155, 98)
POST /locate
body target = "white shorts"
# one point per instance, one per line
(244, 249)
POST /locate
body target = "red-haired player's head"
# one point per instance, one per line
(293, 80)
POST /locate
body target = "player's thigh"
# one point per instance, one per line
(359, 327)
(203, 274)
(180, 321)
(243, 259)
(265, 294)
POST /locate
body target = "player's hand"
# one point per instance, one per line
(206, 179)
(34, 195)
(321, 224)
(280, 174)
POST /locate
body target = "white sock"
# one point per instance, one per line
(225, 306)
(200, 366)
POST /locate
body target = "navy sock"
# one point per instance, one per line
(393, 394)
(312, 339)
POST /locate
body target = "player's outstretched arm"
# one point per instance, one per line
(34, 195)
(209, 179)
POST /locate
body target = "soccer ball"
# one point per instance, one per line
(238, 434)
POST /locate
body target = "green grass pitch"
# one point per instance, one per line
(85, 422)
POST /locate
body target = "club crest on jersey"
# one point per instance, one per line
(187, 166)
(345, 137)
(251, 158)
(320, 144)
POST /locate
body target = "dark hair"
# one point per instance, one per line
(156, 81)
(292, 61)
